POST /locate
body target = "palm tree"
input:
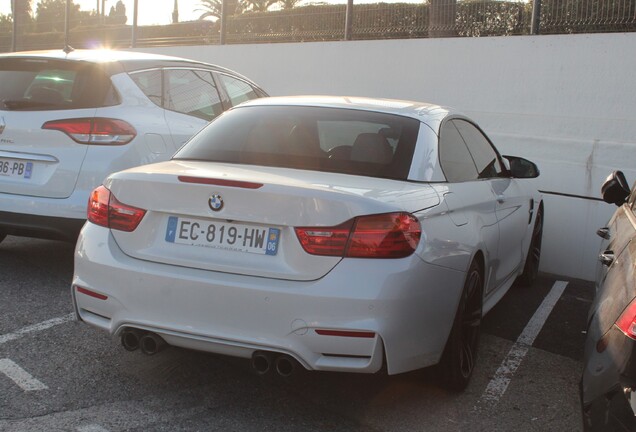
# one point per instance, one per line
(259, 5)
(22, 7)
(22, 10)
(288, 4)
(212, 8)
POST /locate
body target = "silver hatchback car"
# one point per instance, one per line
(68, 119)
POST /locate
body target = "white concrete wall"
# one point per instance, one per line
(566, 102)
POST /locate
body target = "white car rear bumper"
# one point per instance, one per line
(408, 304)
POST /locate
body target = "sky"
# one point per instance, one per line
(160, 11)
(149, 12)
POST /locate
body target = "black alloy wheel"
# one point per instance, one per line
(531, 268)
(460, 353)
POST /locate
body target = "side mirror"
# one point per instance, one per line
(615, 189)
(521, 168)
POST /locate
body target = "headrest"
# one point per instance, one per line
(371, 147)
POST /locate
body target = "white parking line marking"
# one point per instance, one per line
(499, 383)
(35, 328)
(19, 376)
(91, 428)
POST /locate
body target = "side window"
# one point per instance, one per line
(238, 91)
(455, 159)
(483, 153)
(150, 83)
(191, 92)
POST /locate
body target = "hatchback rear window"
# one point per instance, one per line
(325, 139)
(44, 84)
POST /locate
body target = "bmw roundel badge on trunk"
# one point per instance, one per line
(215, 202)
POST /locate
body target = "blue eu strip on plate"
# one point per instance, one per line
(171, 230)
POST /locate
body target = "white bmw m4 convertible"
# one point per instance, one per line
(330, 233)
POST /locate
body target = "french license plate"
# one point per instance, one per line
(223, 235)
(16, 169)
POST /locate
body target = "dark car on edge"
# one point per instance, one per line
(609, 376)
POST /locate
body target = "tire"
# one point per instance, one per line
(460, 353)
(533, 259)
(2, 236)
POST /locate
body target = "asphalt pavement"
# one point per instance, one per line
(57, 374)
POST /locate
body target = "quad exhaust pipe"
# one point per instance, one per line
(285, 365)
(264, 361)
(149, 343)
(130, 339)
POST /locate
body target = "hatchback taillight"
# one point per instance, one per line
(105, 210)
(389, 235)
(94, 130)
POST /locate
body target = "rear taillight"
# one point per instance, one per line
(94, 130)
(105, 210)
(390, 235)
(627, 321)
(327, 241)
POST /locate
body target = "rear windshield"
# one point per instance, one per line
(43, 84)
(325, 139)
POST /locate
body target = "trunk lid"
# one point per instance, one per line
(261, 206)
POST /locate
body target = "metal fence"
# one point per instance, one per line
(43, 28)
(588, 16)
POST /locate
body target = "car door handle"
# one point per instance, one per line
(606, 258)
(603, 233)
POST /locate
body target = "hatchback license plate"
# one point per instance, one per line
(14, 168)
(223, 235)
